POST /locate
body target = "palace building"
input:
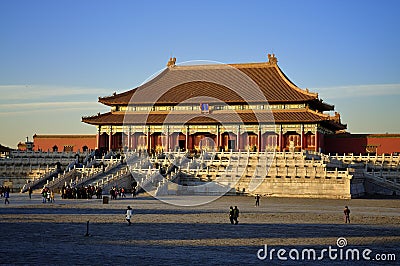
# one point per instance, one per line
(214, 107)
(244, 128)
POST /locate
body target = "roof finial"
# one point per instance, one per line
(171, 62)
(272, 60)
(337, 117)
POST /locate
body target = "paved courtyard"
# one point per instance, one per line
(162, 234)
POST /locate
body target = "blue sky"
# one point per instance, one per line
(57, 57)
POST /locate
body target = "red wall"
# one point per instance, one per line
(321, 141)
(47, 142)
(357, 143)
(340, 143)
(388, 144)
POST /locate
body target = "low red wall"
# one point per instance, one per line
(385, 144)
(340, 143)
(74, 142)
(362, 143)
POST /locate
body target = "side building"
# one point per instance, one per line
(64, 143)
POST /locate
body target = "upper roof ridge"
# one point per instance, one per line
(272, 61)
(220, 66)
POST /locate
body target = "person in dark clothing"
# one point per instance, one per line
(346, 214)
(257, 200)
(133, 192)
(236, 214)
(30, 192)
(6, 195)
(231, 214)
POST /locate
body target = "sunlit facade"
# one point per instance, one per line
(291, 118)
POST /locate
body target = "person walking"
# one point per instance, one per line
(257, 200)
(30, 192)
(236, 214)
(133, 192)
(52, 196)
(44, 195)
(123, 192)
(346, 214)
(231, 214)
(6, 195)
(128, 215)
(48, 195)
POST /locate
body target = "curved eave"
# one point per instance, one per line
(108, 118)
(334, 125)
(125, 97)
(318, 104)
(245, 117)
(294, 86)
(117, 99)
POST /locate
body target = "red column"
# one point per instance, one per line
(302, 137)
(167, 149)
(98, 138)
(316, 141)
(259, 148)
(218, 138)
(148, 141)
(134, 141)
(129, 137)
(238, 139)
(187, 138)
(280, 139)
(190, 145)
(110, 142)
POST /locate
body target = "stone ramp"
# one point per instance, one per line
(380, 186)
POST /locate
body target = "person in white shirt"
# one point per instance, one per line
(128, 215)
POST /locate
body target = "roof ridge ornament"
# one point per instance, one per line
(272, 60)
(336, 118)
(171, 62)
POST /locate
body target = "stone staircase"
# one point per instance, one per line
(380, 173)
(284, 174)
(79, 174)
(379, 185)
(112, 177)
(24, 169)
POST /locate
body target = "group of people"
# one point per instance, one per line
(117, 192)
(234, 212)
(234, 215)
(83, 192)
(87, 192)
(121, 192)
(47, 195)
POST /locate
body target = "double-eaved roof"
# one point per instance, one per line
(234, 84)
(182, 83)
